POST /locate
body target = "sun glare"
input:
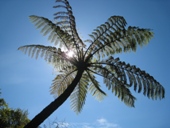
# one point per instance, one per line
(70, 53)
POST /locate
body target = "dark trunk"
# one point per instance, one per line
(46, 112)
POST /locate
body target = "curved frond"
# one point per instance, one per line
(52, 55)
(130, 75)
(94, 87)
(112, 37)
(111, 79)
(66, 20)
(62, 81)
(56, 34)
(78, 96)
(39, 50)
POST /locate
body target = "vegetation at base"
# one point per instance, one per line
(12, 118)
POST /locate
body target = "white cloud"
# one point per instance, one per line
(99, 123)
(62, 124)
(103, 123)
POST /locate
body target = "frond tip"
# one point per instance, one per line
(128, 75)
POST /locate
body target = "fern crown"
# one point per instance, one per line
(95, 60)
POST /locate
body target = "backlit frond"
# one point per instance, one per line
(56, 34)
(124, 94)
(112, 37)
(39, 51)
(131, 75)
(52, 55)
(111, 79)
(120, 72)
(61, 82)
(94, 87)
(67, 20)
(78, 96)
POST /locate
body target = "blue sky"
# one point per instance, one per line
(25, 81)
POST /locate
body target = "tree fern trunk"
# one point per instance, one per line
(46, 112)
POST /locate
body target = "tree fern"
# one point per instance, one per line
(78, 74)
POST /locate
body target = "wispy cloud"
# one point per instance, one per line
(62, 124)
(99, 123)
(103, 123)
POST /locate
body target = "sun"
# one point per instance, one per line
(70, 53)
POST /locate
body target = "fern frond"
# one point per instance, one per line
(66, 18)
(119, 76)
(111, 79)
(131, 75)
(95, 87)
(52, 55)
(78, 96)
(35, 50)
(61, 82)
(124, 94)
(106, 34)
(112, 37)
(56, 34)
